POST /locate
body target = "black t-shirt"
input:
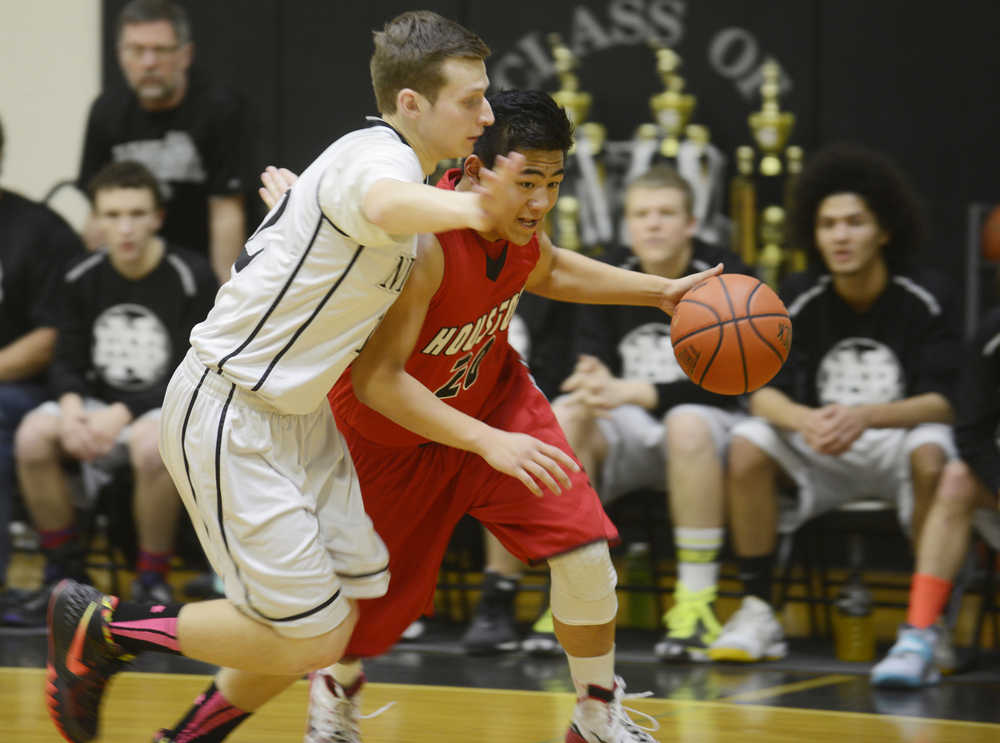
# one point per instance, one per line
(979, 402)
(634, 342)
(36, 245)
(120, 339)
(906, 344)
(195, 150)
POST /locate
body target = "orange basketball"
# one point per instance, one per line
(731, 334)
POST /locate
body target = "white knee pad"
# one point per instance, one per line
(583, 586)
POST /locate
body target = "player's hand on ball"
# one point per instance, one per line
(679, 287)
(276, 181)
(529, 460)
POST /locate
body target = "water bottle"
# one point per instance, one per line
(642, 606)
(853, 623)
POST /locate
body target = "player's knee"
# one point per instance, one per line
(958, 489)
(583, 586)
(927, 462)
(144, 452)
(687, 434)
(35, 439)
(746, 459)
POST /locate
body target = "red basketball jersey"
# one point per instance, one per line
(462, 352)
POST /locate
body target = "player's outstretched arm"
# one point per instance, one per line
(382, 383)
(402, 208)
(570, 277)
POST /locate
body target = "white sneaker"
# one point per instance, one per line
(910, 662)
(752, 634)
(334, 712)
(601, 718)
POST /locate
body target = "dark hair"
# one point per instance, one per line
(660, 176)
(848, 168)
(409, 53)
(125, 174)
(523, 120)
(149, 11)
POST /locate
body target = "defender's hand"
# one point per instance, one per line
(276, 181)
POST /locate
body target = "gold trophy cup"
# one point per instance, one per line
(771, 126)
(673, 107)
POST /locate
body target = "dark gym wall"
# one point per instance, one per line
(916, 80)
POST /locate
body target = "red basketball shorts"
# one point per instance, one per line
(415, 496)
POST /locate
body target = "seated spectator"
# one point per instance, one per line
(190, 131)
(629, 410)
(861, 407)
(968, 483)
(35, 246)
(128, 312)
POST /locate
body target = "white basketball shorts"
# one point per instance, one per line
(876, 466)
(636, 458)
(275, 502)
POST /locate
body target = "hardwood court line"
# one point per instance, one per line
(790, 688)
(827, 712)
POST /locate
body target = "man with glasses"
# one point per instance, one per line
(188, 131)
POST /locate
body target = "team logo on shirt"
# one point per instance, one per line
(860, 371)
(647, 354)
(452, 340)
(456, 339)
(131, 347)
(172, 159)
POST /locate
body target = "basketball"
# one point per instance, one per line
(731, 334)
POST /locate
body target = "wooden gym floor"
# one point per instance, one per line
(444, 696)
(441, 695)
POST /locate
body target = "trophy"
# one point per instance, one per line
(569, 95)
(567, 212)
(672, 108)
(770, 187)
(771, 126)
(798, 259)
(586, 169)
(772, 236)
(743, 207)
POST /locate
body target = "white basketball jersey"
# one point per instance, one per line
(315, 278)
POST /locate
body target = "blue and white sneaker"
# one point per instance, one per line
(910, 662)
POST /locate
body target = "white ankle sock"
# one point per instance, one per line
(598, 670)
(698, 556)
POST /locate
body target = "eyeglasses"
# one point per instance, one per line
(138, 51)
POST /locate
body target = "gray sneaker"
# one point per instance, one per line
(910, 662)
